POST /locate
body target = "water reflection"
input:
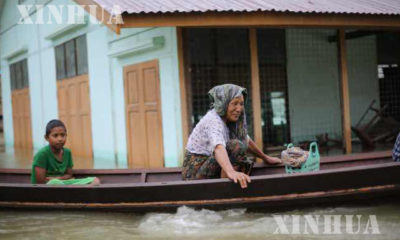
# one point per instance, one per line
(186, 223)
(22, 158)
(16, 158)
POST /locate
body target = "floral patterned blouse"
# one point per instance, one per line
(208, 133)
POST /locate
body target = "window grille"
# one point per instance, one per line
(216, 56)
(19, 75)
(273, 87)
(71, 58)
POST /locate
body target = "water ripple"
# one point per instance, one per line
(186, 223)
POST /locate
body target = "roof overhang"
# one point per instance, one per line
(100, 14)
(261, 19)
(242, 19)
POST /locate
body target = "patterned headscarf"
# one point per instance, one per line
(220, 97)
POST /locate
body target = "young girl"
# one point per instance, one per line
(52, 164)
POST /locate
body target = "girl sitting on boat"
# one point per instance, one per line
(53, 163)
(218, 145)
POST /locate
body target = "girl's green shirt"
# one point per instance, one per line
(45, 158)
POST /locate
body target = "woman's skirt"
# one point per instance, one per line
(197, 166)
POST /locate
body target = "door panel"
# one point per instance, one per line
(21, 108)
(137, 147)
(74, 111)
(143, 115)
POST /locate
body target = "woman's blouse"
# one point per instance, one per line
(208, 133)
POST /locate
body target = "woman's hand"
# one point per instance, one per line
(272, 160)
(240, 177)
(227, 170)
(256, 151)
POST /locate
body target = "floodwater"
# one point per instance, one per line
(188, 223)
(376, 222)
(23, 158)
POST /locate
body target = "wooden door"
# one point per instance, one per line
(74, 111)
(143, 115)
(21, 111)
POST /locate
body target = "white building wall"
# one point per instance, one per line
(169, 84)
(105, 79)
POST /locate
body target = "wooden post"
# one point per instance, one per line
(255, 88)
(182, 84)
(344, 91)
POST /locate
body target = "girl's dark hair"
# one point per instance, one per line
(52, 124)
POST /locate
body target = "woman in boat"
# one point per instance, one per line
(52, 164)
(218, 145)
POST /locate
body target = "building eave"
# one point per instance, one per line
(254, 19)
(101, 15)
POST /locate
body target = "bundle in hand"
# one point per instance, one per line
(294, 156)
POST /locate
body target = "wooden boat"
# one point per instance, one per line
(341, 179)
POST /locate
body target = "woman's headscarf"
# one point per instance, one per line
(220, 97)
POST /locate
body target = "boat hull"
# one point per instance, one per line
(266, 192)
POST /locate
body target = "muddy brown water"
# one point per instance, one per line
(188, 223)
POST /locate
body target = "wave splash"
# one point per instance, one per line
(205, 223)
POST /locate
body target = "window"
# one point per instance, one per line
(81, 55)
(388, 61)
(216, 56)
(71, 58)
(60, 63)
(19, 75)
